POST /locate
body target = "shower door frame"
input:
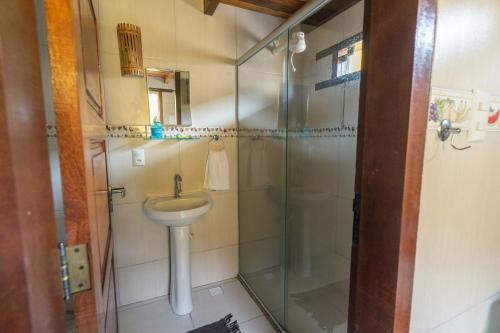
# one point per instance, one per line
(394, 100)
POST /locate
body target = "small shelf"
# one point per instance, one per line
(173, 138)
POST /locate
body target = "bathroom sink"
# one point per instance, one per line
(177, 212)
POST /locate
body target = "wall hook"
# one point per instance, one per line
(446, 130)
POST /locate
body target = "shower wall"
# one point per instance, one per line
(297, 156)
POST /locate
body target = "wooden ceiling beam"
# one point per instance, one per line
(328, 12)
(251, 5)
(285, 8)
(210, 6)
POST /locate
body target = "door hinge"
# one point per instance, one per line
(75, 271)
(356, 209)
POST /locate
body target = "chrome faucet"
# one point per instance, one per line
(177, 185)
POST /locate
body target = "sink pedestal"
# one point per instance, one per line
(178, 213)
(180, 271)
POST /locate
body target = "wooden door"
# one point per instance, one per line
(82, 143)
(30, 290)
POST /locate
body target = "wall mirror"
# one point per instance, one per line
(169, 97)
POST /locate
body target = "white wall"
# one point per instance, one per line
(457, 278)
(175, 35)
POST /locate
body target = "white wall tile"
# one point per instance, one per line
(482, 318)
(221, 35)
(157, 42)
(112, 12)
(219, 228)
(214, 98)
(259, 255)
(347, 167)
(455, 66)
(126, 98)
(137, 239)
(458, 247)
(155, 178)
(141, 282)
(249, 32)
(260, 215)
(214, 265)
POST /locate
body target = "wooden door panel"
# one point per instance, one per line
(81, 135)
(90, 55)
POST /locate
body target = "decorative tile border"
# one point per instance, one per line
(186, 133)
(175, 133)
(456, 106)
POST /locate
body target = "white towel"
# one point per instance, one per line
(217, 171)
(258, 176)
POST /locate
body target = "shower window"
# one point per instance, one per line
(349, 59)
(345, 61)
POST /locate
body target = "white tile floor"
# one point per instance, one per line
(157, 316)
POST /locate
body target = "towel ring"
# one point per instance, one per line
(217, 138)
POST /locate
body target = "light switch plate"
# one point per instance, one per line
(138, 157)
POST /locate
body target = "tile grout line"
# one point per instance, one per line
(253, 318)
(192, 321)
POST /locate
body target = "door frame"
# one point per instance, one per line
(30, 285)
(395, 89)
(399, 38)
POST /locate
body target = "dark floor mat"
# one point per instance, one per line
(225, 325)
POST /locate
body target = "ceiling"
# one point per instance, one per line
(285, 8)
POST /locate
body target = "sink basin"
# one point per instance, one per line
(177, 212)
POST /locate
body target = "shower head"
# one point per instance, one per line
(298, 42)
(297, 45)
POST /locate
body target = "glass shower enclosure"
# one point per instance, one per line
(298, 102)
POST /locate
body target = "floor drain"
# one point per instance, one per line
(216, 291)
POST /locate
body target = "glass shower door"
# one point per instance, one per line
(298, 101)
(323, 98)
(262, 174)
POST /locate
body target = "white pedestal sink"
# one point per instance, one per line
(179, 214)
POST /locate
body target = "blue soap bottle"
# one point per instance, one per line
(156, 129)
